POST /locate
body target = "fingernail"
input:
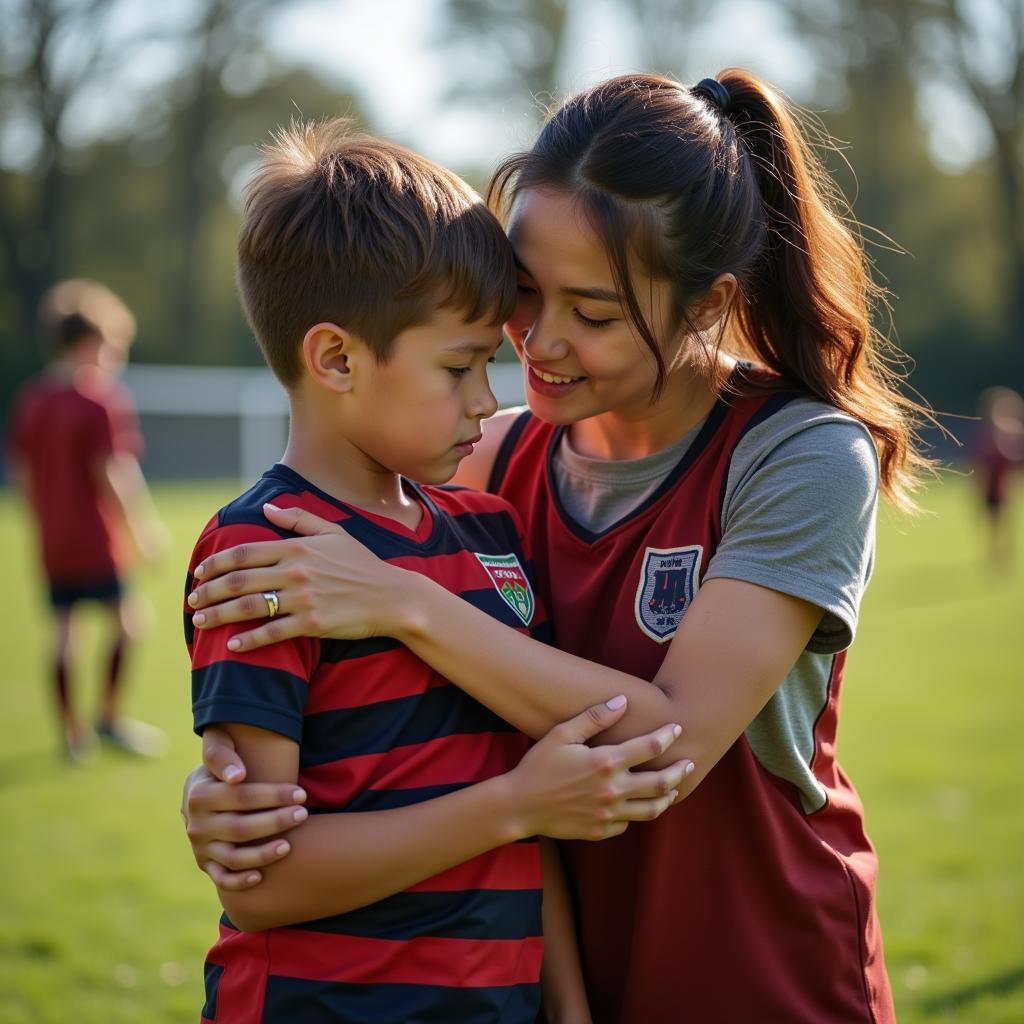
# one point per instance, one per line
(677, 731)
(252, 879)
(232, 772)
(281, 849)
(615, 703)
(193, 599)
(688, 770)
(199, 618)
(197, 572)
(271, 506)
(299, 796)
(673, 795)
(300, 814)
(234, 643)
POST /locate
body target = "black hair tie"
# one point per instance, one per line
(713, 90)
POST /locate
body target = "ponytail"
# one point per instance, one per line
(720, 179)
(807, 309)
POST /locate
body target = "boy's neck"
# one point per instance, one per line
(337, 467)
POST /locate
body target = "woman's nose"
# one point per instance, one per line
(542, 344)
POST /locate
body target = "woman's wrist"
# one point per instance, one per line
(512, 816)
(407, 609)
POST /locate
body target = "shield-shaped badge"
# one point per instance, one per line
(510, 581)
(668, 581)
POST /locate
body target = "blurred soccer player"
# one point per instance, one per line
(75, 446)
(998, 453)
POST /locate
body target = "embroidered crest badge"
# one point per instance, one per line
(668, 581)
(510, 581)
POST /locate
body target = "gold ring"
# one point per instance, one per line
(273, 604)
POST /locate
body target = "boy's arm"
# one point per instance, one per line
(565, 999)
(339, 862)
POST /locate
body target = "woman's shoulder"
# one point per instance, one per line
(475, 470)
(808, 432)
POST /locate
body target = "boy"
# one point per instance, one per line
(375, 283)
(75, 451)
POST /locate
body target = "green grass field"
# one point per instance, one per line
(104, 918)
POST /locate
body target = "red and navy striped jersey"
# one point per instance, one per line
(377, 728)
(737, 905)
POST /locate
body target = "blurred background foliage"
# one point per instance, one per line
(149, 201)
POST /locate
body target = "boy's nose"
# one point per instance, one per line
(485, 403)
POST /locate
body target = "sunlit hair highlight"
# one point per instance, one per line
(78, 308)
(686, 192)
(347, 229)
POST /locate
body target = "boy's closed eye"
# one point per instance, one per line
(461, 371)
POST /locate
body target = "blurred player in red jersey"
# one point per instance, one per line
(75, 448)
(998, 453)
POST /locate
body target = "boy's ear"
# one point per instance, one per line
(330, 353)
(716, 302)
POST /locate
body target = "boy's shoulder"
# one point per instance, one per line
(242, 520)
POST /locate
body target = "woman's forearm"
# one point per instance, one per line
(531, 685)
(343, 861)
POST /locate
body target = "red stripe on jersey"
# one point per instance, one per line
(461, 502)
(356, 682)
(438, 762)
(456, 963)
(311, 503)
(516, 866)
(241, 990)
(456, 572)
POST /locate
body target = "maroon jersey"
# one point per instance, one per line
(61, 434)
(737, 905)
(377, 728)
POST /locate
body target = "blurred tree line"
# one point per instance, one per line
(149, 205)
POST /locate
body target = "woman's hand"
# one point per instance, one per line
(327, 584)
(567, 790)
(224, 815)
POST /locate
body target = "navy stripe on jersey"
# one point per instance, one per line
(505, 450)
(477, 914)
(314, 1002)
(268, 699)
(378, 729)
(389, 799)
(211, 981)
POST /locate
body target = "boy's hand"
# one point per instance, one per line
(223, 814)
(567, 790)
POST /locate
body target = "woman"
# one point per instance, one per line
(702, 530)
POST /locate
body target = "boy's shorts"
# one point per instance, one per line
(64, 595)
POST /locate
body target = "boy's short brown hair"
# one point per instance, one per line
(79, 308)
(357, 231)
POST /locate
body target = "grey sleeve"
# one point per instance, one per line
(799, 515)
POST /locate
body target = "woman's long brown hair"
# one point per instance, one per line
(692, 191)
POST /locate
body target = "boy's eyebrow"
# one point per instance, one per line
(472, 348)
(598, 294)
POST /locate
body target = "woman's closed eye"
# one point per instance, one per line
(590, 322)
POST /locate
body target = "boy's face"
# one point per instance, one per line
(419, 413)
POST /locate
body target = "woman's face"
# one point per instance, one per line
(580, 354)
